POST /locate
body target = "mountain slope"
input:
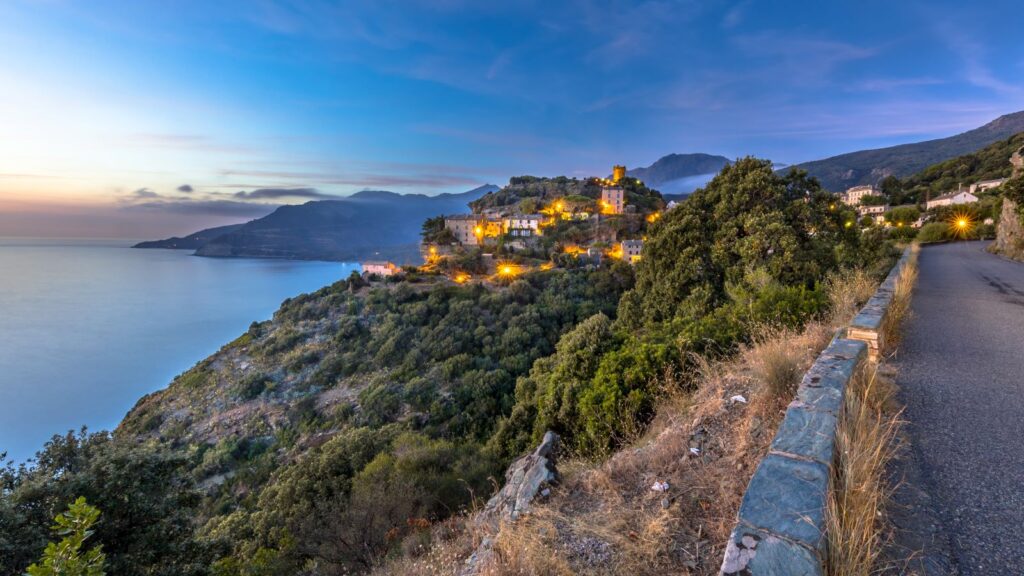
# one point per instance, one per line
(869, 166)
(989, 163)
(192, 241)
(680, 173)
(369, 224)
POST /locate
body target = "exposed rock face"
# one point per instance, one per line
(525, 479)
(1010, 236)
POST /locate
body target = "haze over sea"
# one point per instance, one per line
(88, 327)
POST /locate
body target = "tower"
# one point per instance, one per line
(618, 173)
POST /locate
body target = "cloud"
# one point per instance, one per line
(145, 193)
(186, 188)
(273, 193)
(191, 207)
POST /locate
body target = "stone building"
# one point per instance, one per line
(852, 196)
(631, 250)
(613, 200)
(467, 228)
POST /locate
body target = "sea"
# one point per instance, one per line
(87, 327)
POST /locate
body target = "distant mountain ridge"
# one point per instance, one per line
(368, 224)
(840, 172)
(676, 166)
(192, 241)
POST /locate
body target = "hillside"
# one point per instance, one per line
(680, 173)
(362, 421)
(192, 241)
(989, 163)
(527, 194)
(870, 166)
(370, 224)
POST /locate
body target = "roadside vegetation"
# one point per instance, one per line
(867, 441)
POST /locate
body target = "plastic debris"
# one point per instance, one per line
(660, 486)
(695, 451)
(738, 398)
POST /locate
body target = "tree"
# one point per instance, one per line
(747, 217)
(435, 232)
(65, 558)
(902, 215)
(873, 200)
(148, 499)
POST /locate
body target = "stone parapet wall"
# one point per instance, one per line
(781, 522)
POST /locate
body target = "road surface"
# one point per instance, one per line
(960, 369)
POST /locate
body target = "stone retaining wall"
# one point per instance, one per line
(781, 524)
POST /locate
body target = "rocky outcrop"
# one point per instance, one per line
(526, 479)
(1010, 236)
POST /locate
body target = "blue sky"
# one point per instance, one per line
(141, 118)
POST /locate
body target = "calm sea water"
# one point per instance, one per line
(88, 327)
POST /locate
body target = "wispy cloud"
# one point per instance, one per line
(276, 193)
(186, 206)
(186, 188)
(972, 54)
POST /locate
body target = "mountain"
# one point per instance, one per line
(192, 241)
(676, 175)
(369, 224)
(870, 166)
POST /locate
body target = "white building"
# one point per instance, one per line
(953, 198)
(877, 213)
(853, 195)
(523, 225)
(986, 185)
(380, 268)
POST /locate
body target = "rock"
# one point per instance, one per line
(525, 479)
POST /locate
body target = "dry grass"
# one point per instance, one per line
(848, 290)
(605, 519)
(866, 442)
(776, 365)
(900, 305)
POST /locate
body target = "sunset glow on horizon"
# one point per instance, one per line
(146, 119)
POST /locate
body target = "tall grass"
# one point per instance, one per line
(776, 364)
(900, 305)
(847, 291)
(866, 442)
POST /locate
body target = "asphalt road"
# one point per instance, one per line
(960, 368)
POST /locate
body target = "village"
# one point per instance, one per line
(538, 224)
(873, 207)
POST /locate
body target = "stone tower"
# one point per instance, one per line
(618, 173)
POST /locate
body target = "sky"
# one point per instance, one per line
(142, 119)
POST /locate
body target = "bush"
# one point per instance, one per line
(933, 232)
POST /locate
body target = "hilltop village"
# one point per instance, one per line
(538, 223)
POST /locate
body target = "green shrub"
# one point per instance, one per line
(933, 232)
